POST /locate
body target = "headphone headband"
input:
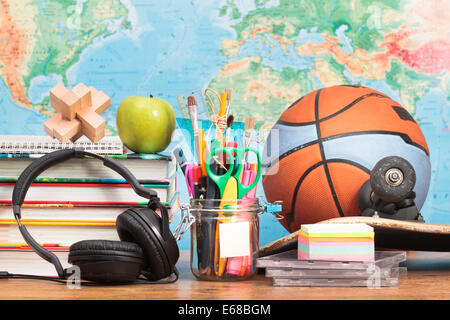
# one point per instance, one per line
(38, 166)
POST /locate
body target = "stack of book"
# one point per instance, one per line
(80, 198)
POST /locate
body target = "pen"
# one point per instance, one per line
(248, 177)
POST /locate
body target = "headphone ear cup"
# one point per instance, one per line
(106, 260)
(168, 240)
(143, 227)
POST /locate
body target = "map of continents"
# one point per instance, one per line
(270, 52)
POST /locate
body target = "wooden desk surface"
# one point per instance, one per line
(428, 277)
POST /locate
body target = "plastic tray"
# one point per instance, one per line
(288, 259)
(382, 273)
(370, 283)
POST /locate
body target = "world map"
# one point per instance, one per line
(270, 52)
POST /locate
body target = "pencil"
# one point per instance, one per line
(223, 104)
(202, 146)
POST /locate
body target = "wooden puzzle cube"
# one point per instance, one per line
(78, 113)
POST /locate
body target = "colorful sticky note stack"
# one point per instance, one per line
(336, 242)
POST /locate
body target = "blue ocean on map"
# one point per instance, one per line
(433, 112)
(41, 85)
(16, 120)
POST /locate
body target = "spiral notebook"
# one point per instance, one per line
(45, 144)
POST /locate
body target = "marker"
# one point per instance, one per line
(189, 175)
(248, 177)
(197, 178)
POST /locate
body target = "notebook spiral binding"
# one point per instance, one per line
(45, 144)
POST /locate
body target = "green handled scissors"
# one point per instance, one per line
(222, 180)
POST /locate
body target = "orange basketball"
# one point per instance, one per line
(324, 146)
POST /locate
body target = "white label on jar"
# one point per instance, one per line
(234, 239)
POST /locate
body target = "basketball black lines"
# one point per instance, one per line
(402, 135)
(322, 155)
(403, 114)
(351, 104)
(290, 216)
(295, 124)
(298, 100)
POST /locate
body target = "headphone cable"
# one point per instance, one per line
(7, 275)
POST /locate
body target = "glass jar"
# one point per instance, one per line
(224, 238)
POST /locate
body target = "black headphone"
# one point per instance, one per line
(147, 245)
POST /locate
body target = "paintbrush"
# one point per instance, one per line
(193, 114)
(230, 120)
(228, 104)
(249, 125)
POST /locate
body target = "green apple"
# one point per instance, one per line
(145, 124)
